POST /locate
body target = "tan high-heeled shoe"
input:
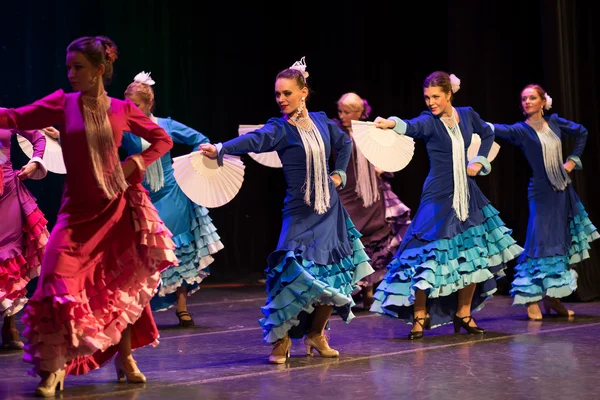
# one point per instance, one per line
(533, 311)
(127, 368)
(50, 383)
(551, 303)
(318, 342)
(281, 350)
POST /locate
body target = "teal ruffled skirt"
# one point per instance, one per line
(442, 267)
(194, 252)
(295, 285)
(537, 275)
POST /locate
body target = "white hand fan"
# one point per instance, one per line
(384, 148)
(53, 156)
(474, 148)
(204, 182)
(269, 159)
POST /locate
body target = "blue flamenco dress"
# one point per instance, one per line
(319, 258)
(440, 254)
(558, 230)
(193, 232)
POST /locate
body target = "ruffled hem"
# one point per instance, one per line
(297, 285)
(14, 276)
(552, 276)
(381, 252)
(556, 284)
(442, 267)
(189, 273)
(583, 232)
(79, 331)
(194, 252)
(16, 272)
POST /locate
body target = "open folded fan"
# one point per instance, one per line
(3, 156)
(53, 156)
(384, 148)
(204, 182)
(269, 159)
(474, 148)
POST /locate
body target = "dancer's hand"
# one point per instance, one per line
(473, 169)
(209, 150)
(27, 170)
(383, 123)
(52, 132)
(379, 172)
(569, 166)
(337, 180)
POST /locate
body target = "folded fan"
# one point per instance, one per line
(268, 159)
(474, 148)
(53, 156)
(204, 182)
(384, 148)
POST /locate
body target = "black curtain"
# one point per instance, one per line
(215, 70)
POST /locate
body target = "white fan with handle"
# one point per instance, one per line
(53, 156)
(474, 148)
(268, 159)
(204, 182)
(384, 148)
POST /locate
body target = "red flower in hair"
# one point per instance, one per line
(111, 53)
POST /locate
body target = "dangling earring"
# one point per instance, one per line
(300, 109)
(94, 80)
(542, 112)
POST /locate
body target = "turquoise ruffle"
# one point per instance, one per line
(296, 285)
(194, 251)
(442, 267)
(552, 276)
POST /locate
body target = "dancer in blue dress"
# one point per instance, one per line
(559, 230)
(193, 232)
(456, 243)
(319, 259)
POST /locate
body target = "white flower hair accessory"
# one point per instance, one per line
(455, 83)
(548, 104)
(144, 77)
(300, 66)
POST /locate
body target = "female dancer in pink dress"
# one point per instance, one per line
(23, 235)
(103, 260)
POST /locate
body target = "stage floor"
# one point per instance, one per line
(223, 357)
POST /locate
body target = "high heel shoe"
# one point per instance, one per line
(11, 339)
(368, 302)
(127, 368)
(463, 322)
(426, 324)
(551, 303)
(533, 312)
(281, 350)
(51, 383)
(185, 323)
(318, 342)
(367, 297)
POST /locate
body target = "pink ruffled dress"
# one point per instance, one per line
(23, 233)
(103, 260)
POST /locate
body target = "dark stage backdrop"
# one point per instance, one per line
(215, 70)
